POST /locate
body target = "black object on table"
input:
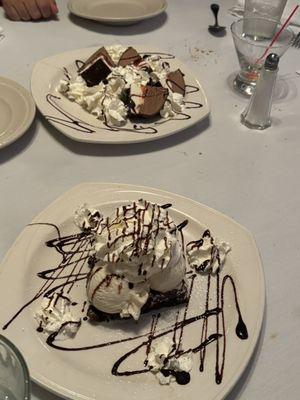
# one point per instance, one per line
(216, 29)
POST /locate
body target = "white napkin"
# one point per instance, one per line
(238, 11)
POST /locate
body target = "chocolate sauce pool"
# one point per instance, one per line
(76, 251)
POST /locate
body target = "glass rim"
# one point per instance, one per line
(16, 351)
(279, 24)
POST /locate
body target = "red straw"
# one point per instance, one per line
(277, 35)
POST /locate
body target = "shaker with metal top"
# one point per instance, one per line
(257, 113)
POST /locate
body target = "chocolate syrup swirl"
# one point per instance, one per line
(79, 64)
(191, 89)
(69, 120)
(76, 250)
(180, 117)
(162, 56)
(76, 124)
(192, 104)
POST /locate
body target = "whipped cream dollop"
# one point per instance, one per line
(206, 254)
(137, 249)
(87, 218)
(109, 101)
(160, 360)
(100, 100)
(115, 51)
(159, 70)
(173, 105)
(127, 76)
(54, 315)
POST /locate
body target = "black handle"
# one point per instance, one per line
(215, 9)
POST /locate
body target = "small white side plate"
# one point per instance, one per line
(117, 12)
(17, 110)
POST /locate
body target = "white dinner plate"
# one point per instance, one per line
(117, 12)
(17, 110)
(76, 123)
(86, 374)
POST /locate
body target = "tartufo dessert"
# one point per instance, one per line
(116, 83)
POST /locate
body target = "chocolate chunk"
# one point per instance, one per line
(102, 52)
(175, 81)
(130, 56)
(97, 67)
(147, 100)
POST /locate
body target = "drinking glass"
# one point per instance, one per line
(264, 8)
(251, 46)
(271, 9)
(14, 375)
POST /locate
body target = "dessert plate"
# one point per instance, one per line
(85, 370)
(71, 120)
(17, 110)
(117, 12)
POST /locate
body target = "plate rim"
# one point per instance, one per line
(147, 138)
(118, 20)
(22, 129)
(260, 316)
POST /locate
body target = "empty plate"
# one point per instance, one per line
(117, 12)
(17, 110)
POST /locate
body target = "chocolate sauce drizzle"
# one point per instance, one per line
(191, 89)
(69, 120)
(76, 251)
(79, 64)
(76, 124)
(162, 56)
(192, 104)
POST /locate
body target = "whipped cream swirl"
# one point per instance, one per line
(206, 255)
(87, 218)
(141, 240)
(173, 105)
(160, 359)
(137, 249)
(100, 100)
(54, 315)
(115, 51)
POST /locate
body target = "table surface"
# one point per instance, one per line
(251, 176)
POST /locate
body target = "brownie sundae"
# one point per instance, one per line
(138, 264)
(116, 83)
(136, 261)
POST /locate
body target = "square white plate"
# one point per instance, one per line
(86, 374)
(71, 120)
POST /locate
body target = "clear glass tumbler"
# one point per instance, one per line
(14, 375)
(251, 46)
(265, 8)
(271, 9)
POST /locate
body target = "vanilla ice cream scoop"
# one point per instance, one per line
(113, 294)
(137, 249)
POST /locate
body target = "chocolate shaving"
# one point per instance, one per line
(175, 81)
(130, 56)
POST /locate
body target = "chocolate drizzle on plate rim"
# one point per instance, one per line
(76, 251)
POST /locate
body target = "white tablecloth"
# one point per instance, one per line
(249, 175)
